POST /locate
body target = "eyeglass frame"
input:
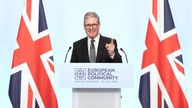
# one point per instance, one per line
(88, 26)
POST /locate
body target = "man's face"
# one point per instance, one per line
(91, 27)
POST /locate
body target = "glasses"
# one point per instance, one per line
(91, 25)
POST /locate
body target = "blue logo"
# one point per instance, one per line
(80, 74)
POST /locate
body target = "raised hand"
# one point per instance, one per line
(110, 48)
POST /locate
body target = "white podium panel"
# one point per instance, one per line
(96, 98)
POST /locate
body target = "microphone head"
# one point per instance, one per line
(121, 49)
(69, 47)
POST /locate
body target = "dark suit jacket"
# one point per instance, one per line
(80, 52)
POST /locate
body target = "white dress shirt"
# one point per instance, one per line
(96, 43)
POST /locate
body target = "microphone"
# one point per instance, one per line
(124, 53)
(67, 54)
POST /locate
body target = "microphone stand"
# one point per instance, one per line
(67, 54)
(125, 54)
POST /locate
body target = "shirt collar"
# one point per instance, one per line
(96, 38)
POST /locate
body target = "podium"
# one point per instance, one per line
(96, 85)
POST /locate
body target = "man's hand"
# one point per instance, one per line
(111, 49)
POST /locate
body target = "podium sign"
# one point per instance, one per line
(96, 75)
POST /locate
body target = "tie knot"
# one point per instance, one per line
(92, 41)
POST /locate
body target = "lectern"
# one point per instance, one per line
(96, 85)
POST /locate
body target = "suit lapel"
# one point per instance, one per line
(100, 49)
(85, 50)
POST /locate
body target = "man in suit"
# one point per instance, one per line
(95, 48)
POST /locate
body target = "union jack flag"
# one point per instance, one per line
(162, 83)
(32, 76)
